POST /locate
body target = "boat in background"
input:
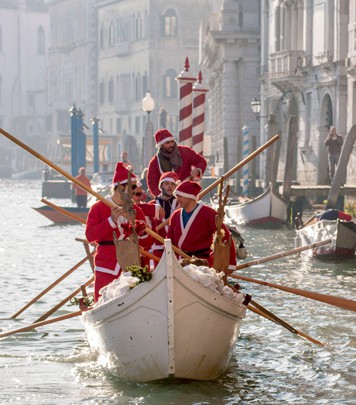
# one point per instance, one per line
(266, 210)
(59, 218)
(169, 327)
(330, 224)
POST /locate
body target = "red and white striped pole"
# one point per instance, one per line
(198, 115)
(185, 81)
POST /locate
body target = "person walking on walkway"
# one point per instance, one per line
(334, 143)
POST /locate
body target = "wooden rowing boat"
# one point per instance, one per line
(266, 210)
(59, 218)
(341, 233)
(170, 326)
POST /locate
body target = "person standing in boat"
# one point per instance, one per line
(125, 160)
(80, 194)
(182, 160)
(103, 221)
(334, 143)
(193, 225)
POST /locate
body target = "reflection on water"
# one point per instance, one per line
(53, 365)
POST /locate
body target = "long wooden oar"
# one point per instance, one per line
(38, 324)
(260, 310)
(45, 291)
(64, 211)
(327, 299)
(86, 188)
(65, 300)
(282, 254)
(225, 176)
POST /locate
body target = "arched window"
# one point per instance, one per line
(40, 40)
(169, 84)
(169, 24)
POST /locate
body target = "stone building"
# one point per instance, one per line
(143, 45)
(72, 69)
(305, 84)
(231, 56)
(305, 80)
(24, 33)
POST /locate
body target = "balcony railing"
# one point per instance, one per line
(286, 63)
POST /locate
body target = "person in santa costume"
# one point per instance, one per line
(102, 221)
(164, 206)
(182, 160)
(192, 226)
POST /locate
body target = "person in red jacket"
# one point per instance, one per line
(182, 160)
(102, 221)
(80, 194)
(165, 204)
(192, 226)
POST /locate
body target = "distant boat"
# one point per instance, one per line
(341, 230)
(27, 175)
(60, 218)
(267, 210)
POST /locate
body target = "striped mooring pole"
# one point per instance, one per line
(185, 81)
(245, 152)
(199, 93)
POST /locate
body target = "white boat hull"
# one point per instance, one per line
(268, 209)
(342, 235)
(171, 326)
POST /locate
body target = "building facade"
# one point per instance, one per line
(143, 45)
(231, 57)
(24, 34)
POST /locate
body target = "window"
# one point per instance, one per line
(169, 85)
(118, 125)
(101, 37)
(111, 90)
(102, 93)
(111, 34)
(40, 40)
(169, 24)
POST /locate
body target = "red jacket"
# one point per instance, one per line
(190, 159)
(100, 228)
(197, 237)
(83, 179)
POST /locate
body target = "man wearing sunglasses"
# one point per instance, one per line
(103, 221)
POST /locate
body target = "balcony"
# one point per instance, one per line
(286, 69)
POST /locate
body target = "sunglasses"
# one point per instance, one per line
(138, 193)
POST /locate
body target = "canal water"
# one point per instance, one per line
(53, 365)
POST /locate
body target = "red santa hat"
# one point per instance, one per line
(121, 174)
(188, 189)
(168, 176)
(162, 136)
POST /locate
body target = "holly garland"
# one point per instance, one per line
(142, 273)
